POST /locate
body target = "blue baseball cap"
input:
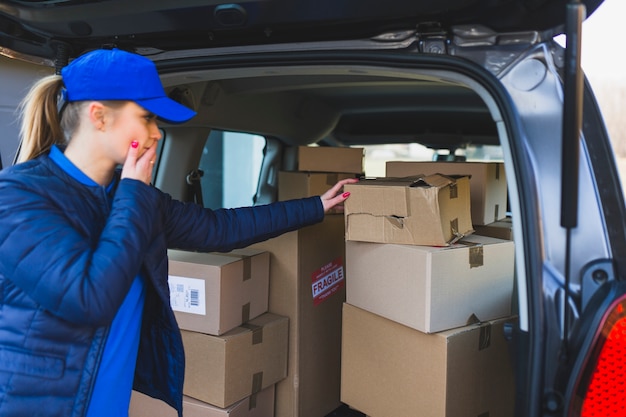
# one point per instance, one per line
(113, 74)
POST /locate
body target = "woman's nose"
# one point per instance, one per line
(155, 131)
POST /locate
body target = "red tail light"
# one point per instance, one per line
(601, 391)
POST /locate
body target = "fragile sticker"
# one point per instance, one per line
(327, 280)
(187, 295)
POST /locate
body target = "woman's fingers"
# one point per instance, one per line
(139, 167)
(334, 196)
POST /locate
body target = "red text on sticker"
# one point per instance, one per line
(327, 280)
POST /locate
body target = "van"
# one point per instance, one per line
(479, 89)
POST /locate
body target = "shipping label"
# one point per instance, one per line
(187, 295)
(327, 280)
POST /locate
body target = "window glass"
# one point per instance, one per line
(376, 156)
(231, 162)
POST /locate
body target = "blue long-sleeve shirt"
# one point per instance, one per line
(114, 377)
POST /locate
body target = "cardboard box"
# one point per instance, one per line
(502, 229)
(330, 159)
(488, 188)
(222, 370)
(432, 210)
(292, 185)
(390, 370)
(307, 285)
(257, 405)
(214, 293)
(432, 288)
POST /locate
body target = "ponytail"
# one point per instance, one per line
(41, 127)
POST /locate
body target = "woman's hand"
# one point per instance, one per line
(139, 167)
(332, 198)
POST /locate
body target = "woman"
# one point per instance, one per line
(84, 307)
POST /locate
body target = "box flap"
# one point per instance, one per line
(382, 198)
(409, 210)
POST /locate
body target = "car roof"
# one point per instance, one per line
(49, 28)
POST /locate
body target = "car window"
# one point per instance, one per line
(230, 162)
(376, 156)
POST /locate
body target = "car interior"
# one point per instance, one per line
(250, 123)
(272, 111)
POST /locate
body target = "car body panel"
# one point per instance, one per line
(52, 28)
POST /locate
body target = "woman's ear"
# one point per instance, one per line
(97, 115)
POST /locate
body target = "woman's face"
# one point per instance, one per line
(129, 123)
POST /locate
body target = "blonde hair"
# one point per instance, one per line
(41, 126)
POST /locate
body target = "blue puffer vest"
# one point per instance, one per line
(67, 260)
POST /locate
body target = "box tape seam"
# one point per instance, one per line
(257, 332)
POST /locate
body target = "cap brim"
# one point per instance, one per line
(167, 109)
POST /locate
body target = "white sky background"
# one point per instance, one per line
(602, 54)
(604, 63)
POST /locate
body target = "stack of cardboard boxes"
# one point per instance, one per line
(395, 308)
(236, 350)
(307, 284)
(261, 327)
(426, 298)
